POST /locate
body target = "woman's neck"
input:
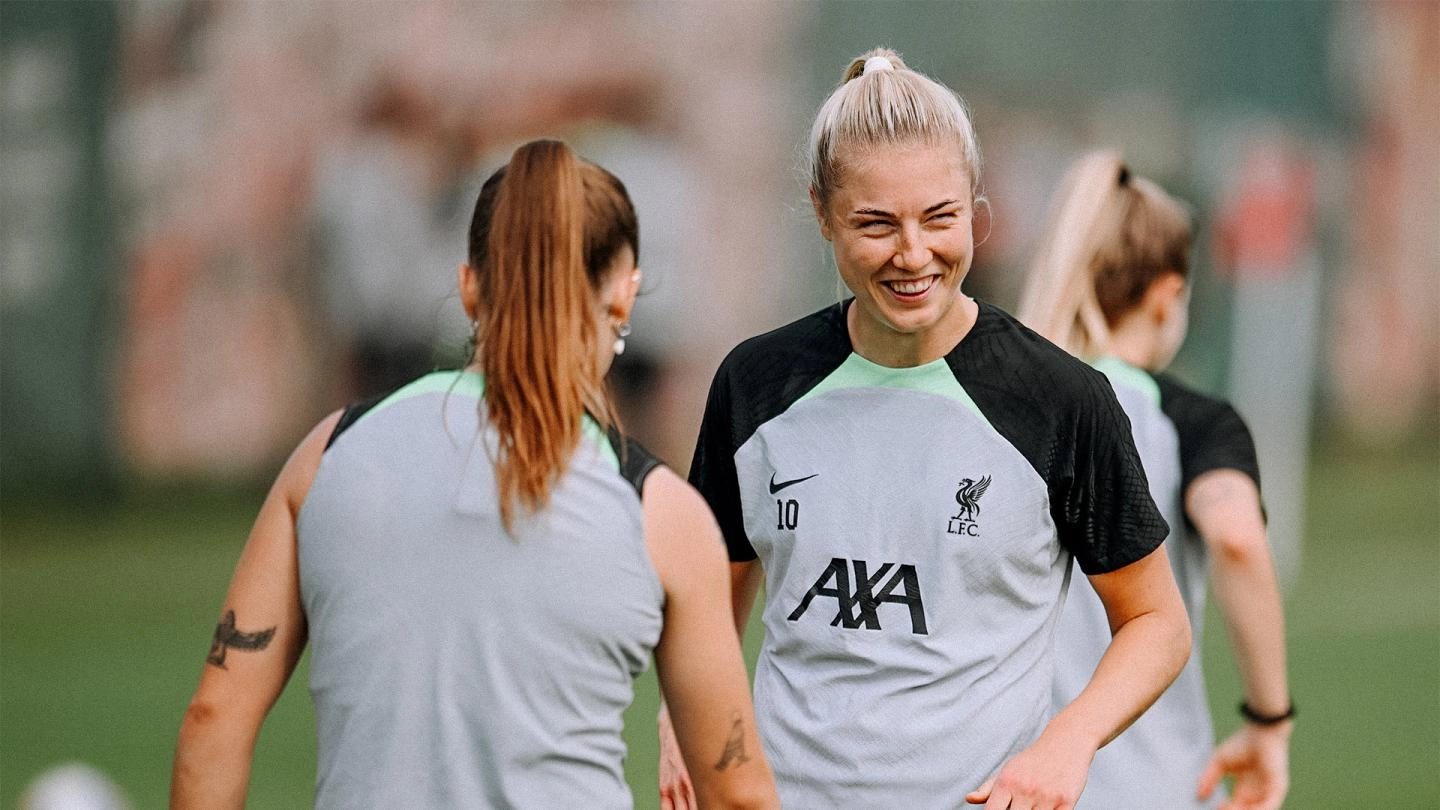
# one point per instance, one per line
(885, 346)
(1132, 342)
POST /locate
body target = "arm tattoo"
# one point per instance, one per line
(229, 638)
(734, 753)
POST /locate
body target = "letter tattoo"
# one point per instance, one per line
(734, 753)
(227, 637)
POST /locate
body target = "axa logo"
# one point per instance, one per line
(968, 496)
(857, 600)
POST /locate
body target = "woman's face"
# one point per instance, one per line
(900, 226)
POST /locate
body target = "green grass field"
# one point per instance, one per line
(106, 614)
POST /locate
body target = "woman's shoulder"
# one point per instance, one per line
(1180, 399)
(765, 374)
(1006, 356)
(635, 461)
(1212, 432)
(443, 384)
(1199, 416)
(820, 334)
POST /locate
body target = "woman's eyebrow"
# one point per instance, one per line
(877, 212)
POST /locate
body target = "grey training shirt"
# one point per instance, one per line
(916, 528)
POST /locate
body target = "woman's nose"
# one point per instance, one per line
(911, 253)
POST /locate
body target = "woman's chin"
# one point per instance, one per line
(911, 318)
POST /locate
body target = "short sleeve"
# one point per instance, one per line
(1106, 516)
(712, 471)
(1062, 415)
(1212, 434)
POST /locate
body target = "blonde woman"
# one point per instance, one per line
(1110, 285)
(911, 473)
(480, 565)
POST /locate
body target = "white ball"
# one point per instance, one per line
(73, 786)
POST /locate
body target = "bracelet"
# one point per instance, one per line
(1266, 719)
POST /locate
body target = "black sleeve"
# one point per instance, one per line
(636, 462)
(712, 471)
(1212, 434)
(1109, 518)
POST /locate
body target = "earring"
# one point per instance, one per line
(472, 343)
(622, 331)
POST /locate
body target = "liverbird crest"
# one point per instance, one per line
(968, 496)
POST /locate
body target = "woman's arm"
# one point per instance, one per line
(1224, 505)
(676, 790)
(1151, 641)
(257, 643)
(698, 660)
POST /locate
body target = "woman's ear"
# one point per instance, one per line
(820, 215)
(623, 295)
(1165, 295)
(469, 283)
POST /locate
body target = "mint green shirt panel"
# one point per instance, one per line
(934, 377)
(1122, 373)
(472, 384)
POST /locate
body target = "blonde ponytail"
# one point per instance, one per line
(1110, 235)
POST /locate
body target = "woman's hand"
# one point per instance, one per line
(1259, 759)
(676, 791)
(1048, 775)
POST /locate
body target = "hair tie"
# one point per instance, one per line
(877, 63)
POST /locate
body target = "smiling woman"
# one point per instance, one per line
(900, 227)
(900, 630)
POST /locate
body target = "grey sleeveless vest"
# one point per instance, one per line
(453, 664)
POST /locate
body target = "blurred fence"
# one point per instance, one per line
(222, 220)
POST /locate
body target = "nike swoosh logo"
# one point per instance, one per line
(774, 487)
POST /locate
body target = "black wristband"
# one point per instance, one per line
(1266, 719)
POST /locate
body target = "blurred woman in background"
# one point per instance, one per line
(481, 565)
(1109, 285)
(908, 646)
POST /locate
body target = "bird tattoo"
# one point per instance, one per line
(228, 637)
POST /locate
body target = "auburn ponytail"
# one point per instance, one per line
(540, 252)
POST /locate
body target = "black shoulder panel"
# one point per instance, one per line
(1213, 436)
(352, 414)
(1063, 417)
(636, 462)
(758, 381)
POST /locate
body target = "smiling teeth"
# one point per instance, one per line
(911, 287)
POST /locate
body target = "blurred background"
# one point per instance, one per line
(220, 221)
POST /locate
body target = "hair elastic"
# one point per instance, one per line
(877, 63)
